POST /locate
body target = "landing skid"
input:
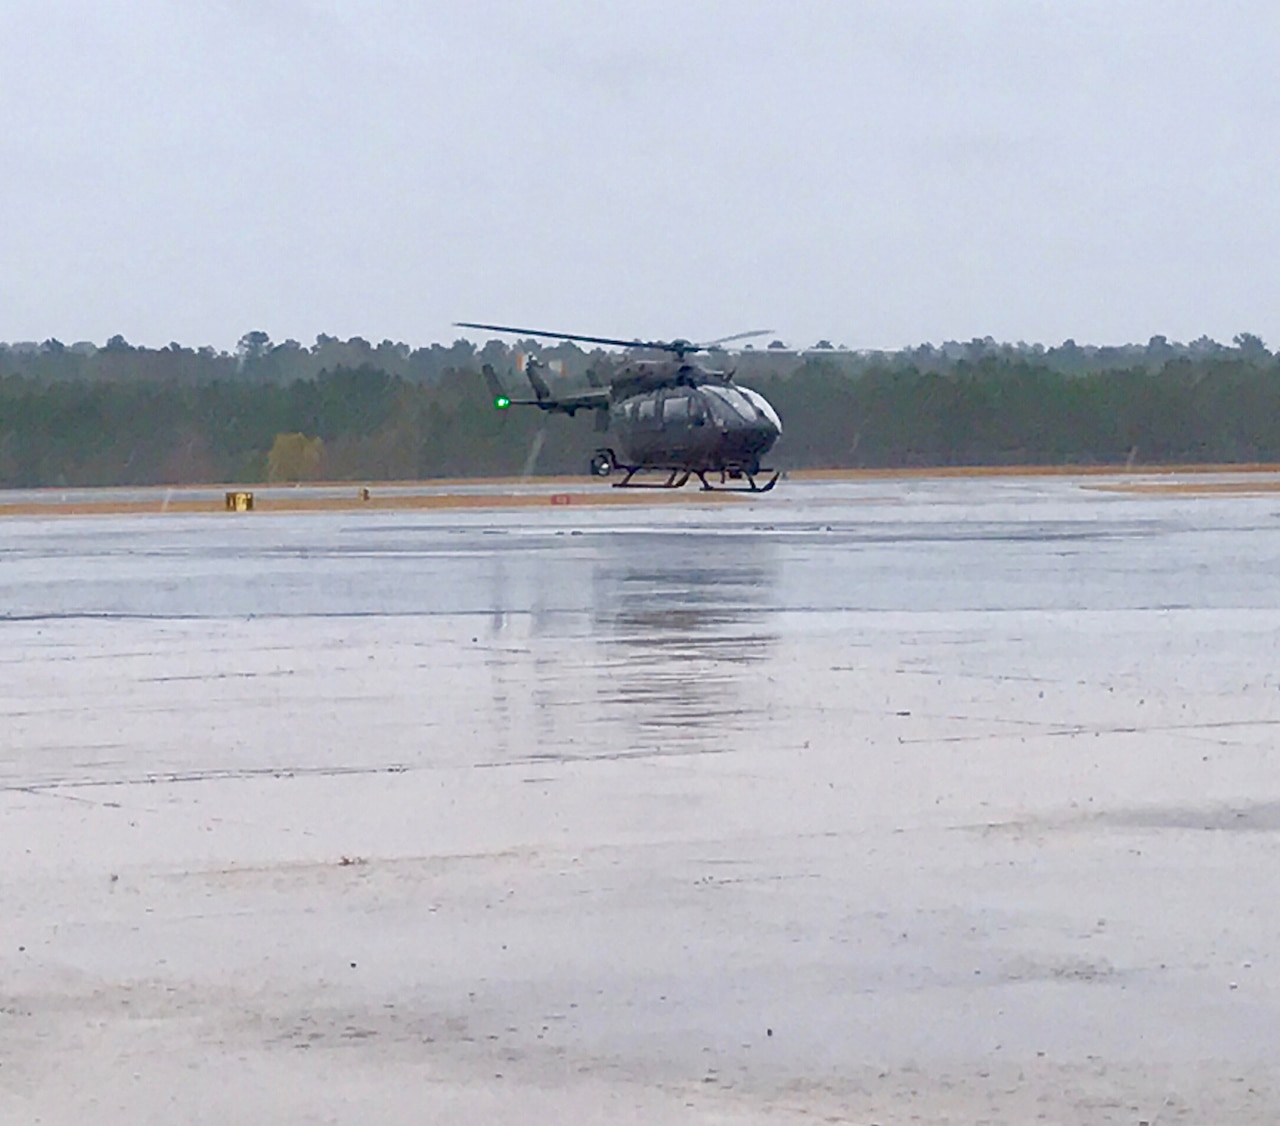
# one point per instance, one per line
(678, 478)
(752, 485)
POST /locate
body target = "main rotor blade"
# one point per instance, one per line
(564, 335)
(679, 347)
(736, 336)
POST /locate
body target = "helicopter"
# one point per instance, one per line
(671, 417)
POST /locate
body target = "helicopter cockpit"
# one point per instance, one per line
(735, 405)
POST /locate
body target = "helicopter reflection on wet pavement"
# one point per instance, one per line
(683, 622)
(624, 643)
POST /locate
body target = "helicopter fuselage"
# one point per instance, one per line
(671, 415)
(679, 416)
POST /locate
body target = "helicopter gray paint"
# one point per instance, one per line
(672, 414)
(695, 425)
(878, 173)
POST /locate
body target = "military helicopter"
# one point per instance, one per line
(670, 417)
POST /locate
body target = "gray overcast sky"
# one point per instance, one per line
(880, 173)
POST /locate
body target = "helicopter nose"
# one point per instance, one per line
(763, 433)
(767, 419)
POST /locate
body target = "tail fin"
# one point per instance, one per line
(534, 375)
(493, 382)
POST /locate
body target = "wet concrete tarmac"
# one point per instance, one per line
(931, 800)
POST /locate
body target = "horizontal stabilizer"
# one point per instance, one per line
(595, 399)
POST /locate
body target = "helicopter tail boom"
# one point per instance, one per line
(597, 400)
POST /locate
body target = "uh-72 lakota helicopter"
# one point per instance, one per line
(669, 416)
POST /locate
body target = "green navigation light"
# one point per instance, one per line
(501, 402)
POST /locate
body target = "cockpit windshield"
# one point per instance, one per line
(763, 406)
(739, 406)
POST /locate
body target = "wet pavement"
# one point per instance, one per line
(945, 798)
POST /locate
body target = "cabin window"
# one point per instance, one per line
(645, 410)
(675, 409)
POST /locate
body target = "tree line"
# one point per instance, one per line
(258, 359)
(348, 410)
